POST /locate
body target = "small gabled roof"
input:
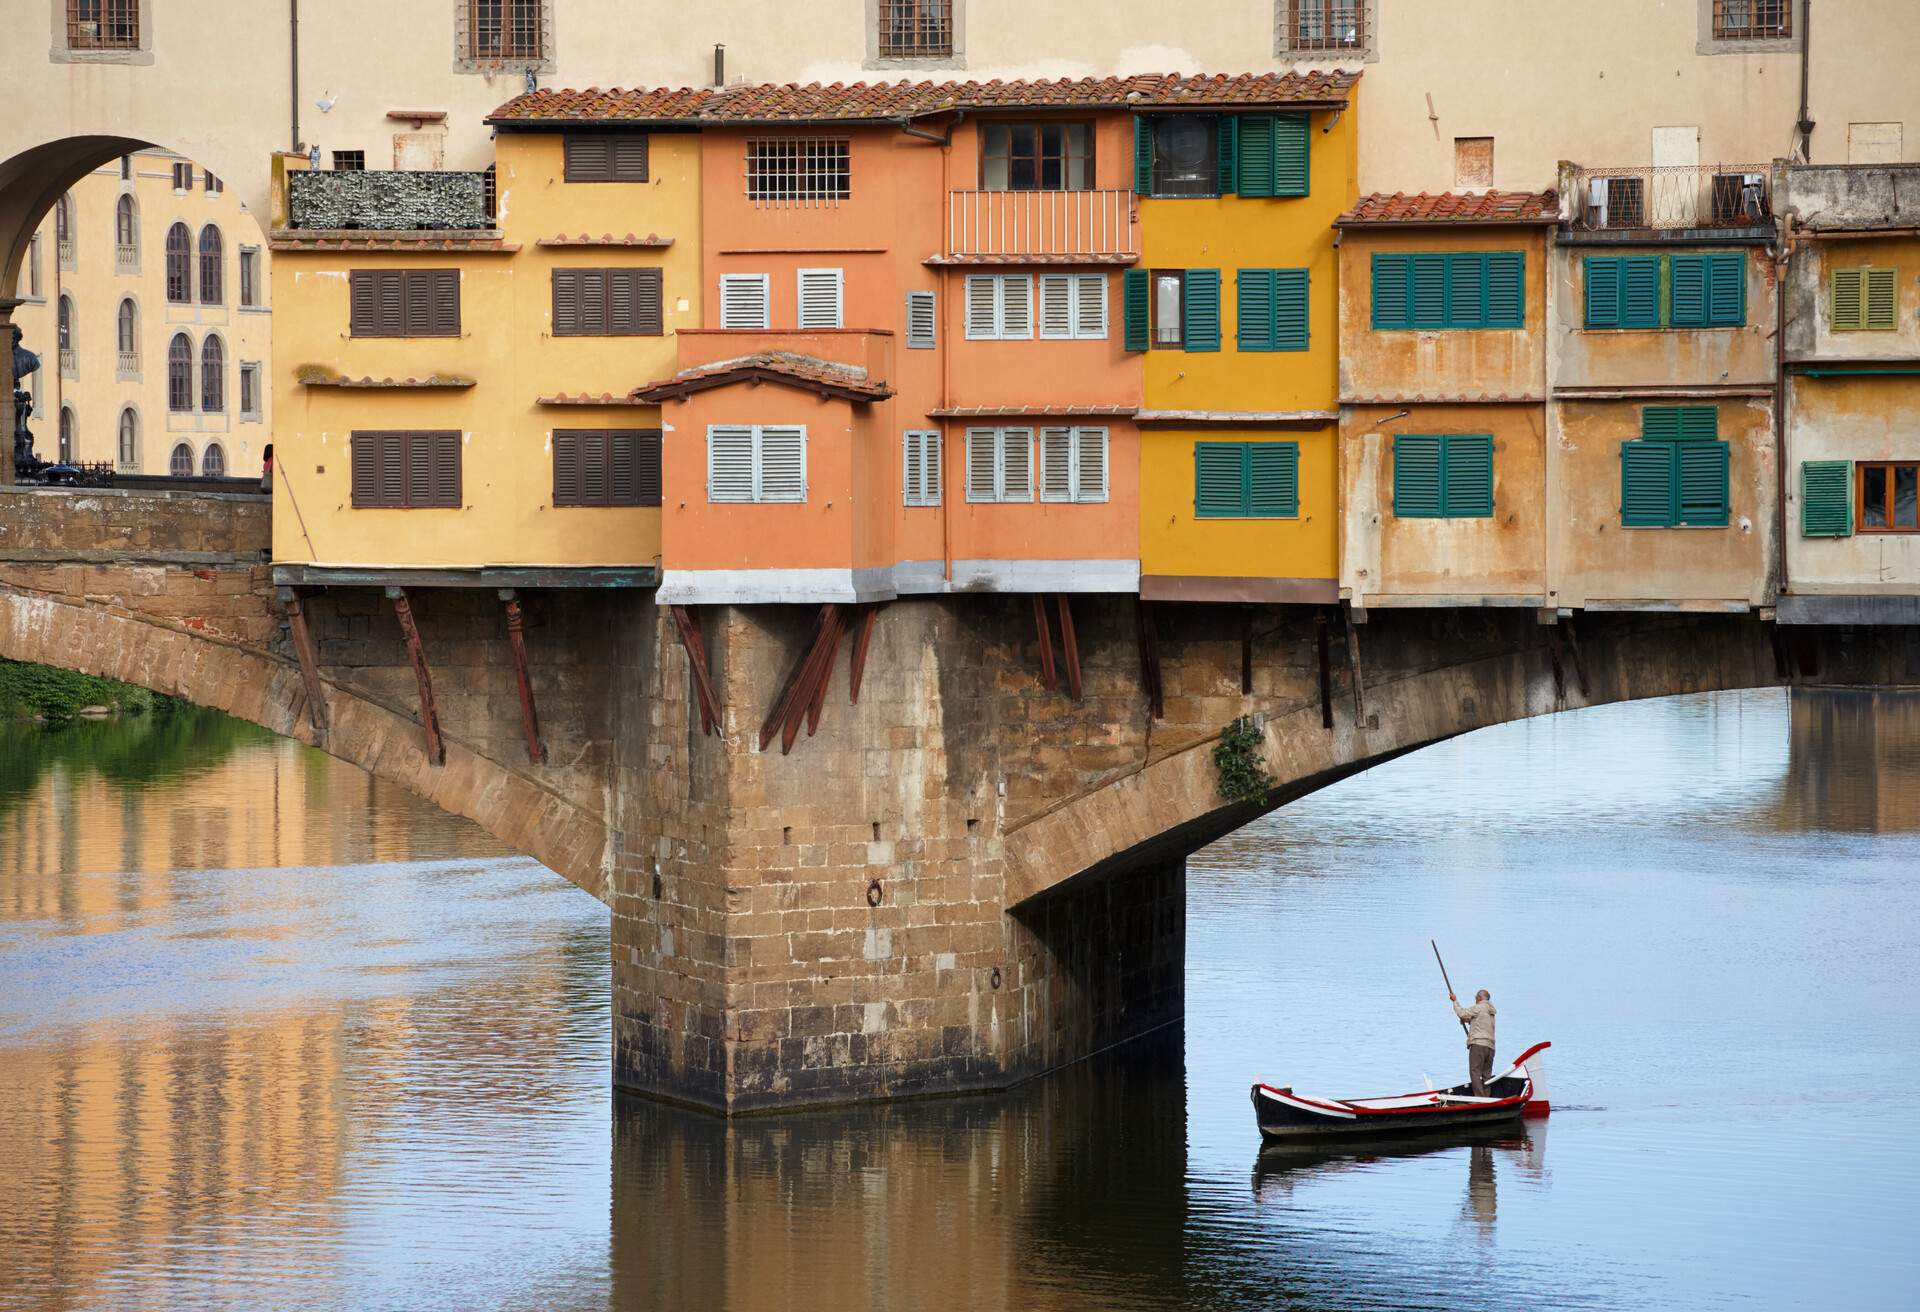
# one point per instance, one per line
(1449, 207)
(847, 382)
(882, 102)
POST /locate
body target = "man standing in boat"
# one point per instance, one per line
(1479, 1022)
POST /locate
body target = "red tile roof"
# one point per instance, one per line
(1454, 207)
(485, 242)
(880, 101)
(827, 377)
(584, 398)
(1042, 411)
(1089, 257)
(652, 239)
(322, 378)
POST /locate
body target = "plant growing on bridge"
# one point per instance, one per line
(1236, 758)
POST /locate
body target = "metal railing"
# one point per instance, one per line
(1670, 196)
(1019, 223)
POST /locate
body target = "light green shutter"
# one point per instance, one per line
(1253, 309)
(1292, 154)
(1703, 470)
(1392, 291)
(1429, 291)
(1646, 484)
(1202, 310)
(1467, 469)
(1882, 298)
(1847, 308)
(1826, 498)
(1219, 480)
(1416, 476)
(1256, 155)
(1273, 479)
(1143, 156)
(1136, 293)
(1466, 290)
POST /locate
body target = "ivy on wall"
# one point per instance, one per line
(1236, 759)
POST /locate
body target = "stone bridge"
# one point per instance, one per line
(957, 879)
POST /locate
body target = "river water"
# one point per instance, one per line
(273, 1035)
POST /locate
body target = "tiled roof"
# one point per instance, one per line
(652, 239)
(827, 377)
(1455, 207)
(879, 101)
(584, 398)
(321, 378)
(1030, 411)
(348, 239)
(1236, 418)
(1088, 257)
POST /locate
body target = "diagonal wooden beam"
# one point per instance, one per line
(1150, 660)
(1246, 651)
(1579, 665)
(819, 665)
(860, 642)
(823, 675)
(778, 714)
(1046, 641)
(417, 656)
(1353, 665)
(696, 645)
(1326, 668)
(309, 666)
(1069, 646)
(516, 639)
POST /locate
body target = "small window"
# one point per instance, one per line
(1073, 306)
(180, 463)
(250, 390)
(1332, 25)
(1073, 464)
(349, 161)
(213, 461)
(821, 294)
(65, 456)
(180, 375)
(999, 306)
(1889, 499)
(1443, 477)
(1169, 296)
(213, 184)
(1271, 310)
(404, 302)
(745, 301)
(126, 168)
(129, 439)
(35, 285)
(127, 337)
(607, 303)
(250, 276)
(1246, 480)
(916, 29)
(1748, 20)
(182, 176)
(126, 232)
(922, 321)
(1172, 309)
(213, 253)
(1863, 299)
(797, 170)
(103, 25)
(64, 232)
(1039, 156)
(1186, 155)
(605, 157)
(406, 470)
(756, 463)
(606, 467)
(1677, 474)
(999, 464)
(1665, 291)
(920, 465)
(179, 265)
(500, 31)
(213, 376)
(64, 325)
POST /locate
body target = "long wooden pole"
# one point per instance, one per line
(1443, 975)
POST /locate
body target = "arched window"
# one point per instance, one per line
(180, 375)
(213, 461)
(129, 329)
(180, 463)
(66, 324)
(129, 439)
(63, 230)
(179, 265)
(66, 434)
(212, 251)
(213, 375)
(126, 232)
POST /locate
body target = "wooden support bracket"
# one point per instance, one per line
(1046, 641)
(309, 666)
(417, 655)
(1579, 664)
(1353, 666)
(696, 645)
(1150, 660)
(1069, 645)
(860, 643)
(805, 687)
(1555, 645)
(516, 639)
(1246, 651)
(1326, 669)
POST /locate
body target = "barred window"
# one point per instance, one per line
(1752, 19)
(916, 29)
(103, 24)
(504, 29)
(1324, 24)
(799, 170)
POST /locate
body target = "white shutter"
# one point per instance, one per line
(1056, 464)
(729, 462)
(1056, 305)
(920, 474)
(920, 321)
(1090, 464)
(1090, 305)
(982, 448)
(743, 301)
(1016, 464)
(932, 454)
(820, 297)
(783, 463)
(1016, 305)
(983, 306)
(910, 469)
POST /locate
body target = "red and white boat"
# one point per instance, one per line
(1520, 1091)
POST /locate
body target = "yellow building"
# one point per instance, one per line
(145, 295)
(454, 397)
(1234, 304)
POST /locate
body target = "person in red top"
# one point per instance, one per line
(266, 469)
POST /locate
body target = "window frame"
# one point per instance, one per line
(248, 379)
(1000, 331)
(1078, 493)
(647, 459)
(1212, 185)
(213, 375)
(757, 456)
(924, 449)
(178, 262)
(375, 280)
(617, 165)
(1077, 328)
(211, 455)
(886, 15)
(782, 171)
(126, 435)
(1675, 429)
(212, 264)
(1277, 337)
(132, 44)
(837, 279)
(923, 305)
(471, 25)
(349, 161)
(1444, 504)
(765, 283)
(640, 273)
(410, 439)
(1004, 438)
(1888, 470)
(248, 269)
(1754, 29)
(1863, 321)
(174, 462)
(180, 393)
(1244, 507)
(1450, 264)
(1154, 277)
(1067, 157)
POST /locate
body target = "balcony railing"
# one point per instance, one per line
(69, 363)
(67, 261)
(127, 365)
(1669, 196)
(126, 259)
(387, 200)
(1047, 224)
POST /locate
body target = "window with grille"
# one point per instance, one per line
(916, 29)
(406, 470)
(1324, 24)
(1073, 306)
(179, 265)
(349, 161)
(756, 463)
(799, 170)
(822, 292)
(922, 322)
(1036, 156)
(1073, 464)
(180, 375)
(213, 252)
(180, 463)
(745, 301)
(999, 306)
(920, 468)
(1246, 480)
(999, 464)
(505, 30)
(250, 390)
(607, 303)
(1745, 20)
(606, 467)
(213, 461)
(250, 276)
(129, 439)
(404, 302)
(103, 24)
(213, 376)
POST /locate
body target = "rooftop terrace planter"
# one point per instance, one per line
(388, 201)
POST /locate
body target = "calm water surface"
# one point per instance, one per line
(275, 1035)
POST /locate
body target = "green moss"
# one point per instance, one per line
(1236, 759)
(43, 692)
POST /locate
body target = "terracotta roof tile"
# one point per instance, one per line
(348, 239)
(1118, 411)
(584, 398)
(1455, 207)
(320, 378)
(868, 101)
(829, 377)
(652, 239)
(1089, 257)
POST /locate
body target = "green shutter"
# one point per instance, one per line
(1253, 309)
(1703, 483)
(1256, 155)
(1202, 309)
(1507, 289)
(1290, 288)
(1640, 291)
(1466, 290)
(1847, 309)
(1219, 480)
(1467, 469)
(1726, 289)
(1882, 298)
(1143, 156)
(1429, 291)
(1273, 480)
(1603, 291)
(1416, 476)
(1292, 154)
(1689, 294)
(1136, 293)
(1679, 423)
(1646, 484)
(1826, 498)
(1392, 291)
(1227, 153)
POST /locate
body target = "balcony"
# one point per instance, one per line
(126, 259)
(1013, 227)
(1667, 197)
(127, 365)
(387, 200)
(69, 363)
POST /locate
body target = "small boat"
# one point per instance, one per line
(1519, 1092)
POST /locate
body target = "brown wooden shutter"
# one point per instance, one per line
(646, 485)
(365, 303)
(365, 452)
(566, 468)
(647, 303)
(391, 316)
(445, 315)
(593, 302)
(628, 157)
(622, 302)
(566, 303)
(623, 488)
(587, 158)
(418, 489)
(417, 294)
(593, 467)
(445, 487)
